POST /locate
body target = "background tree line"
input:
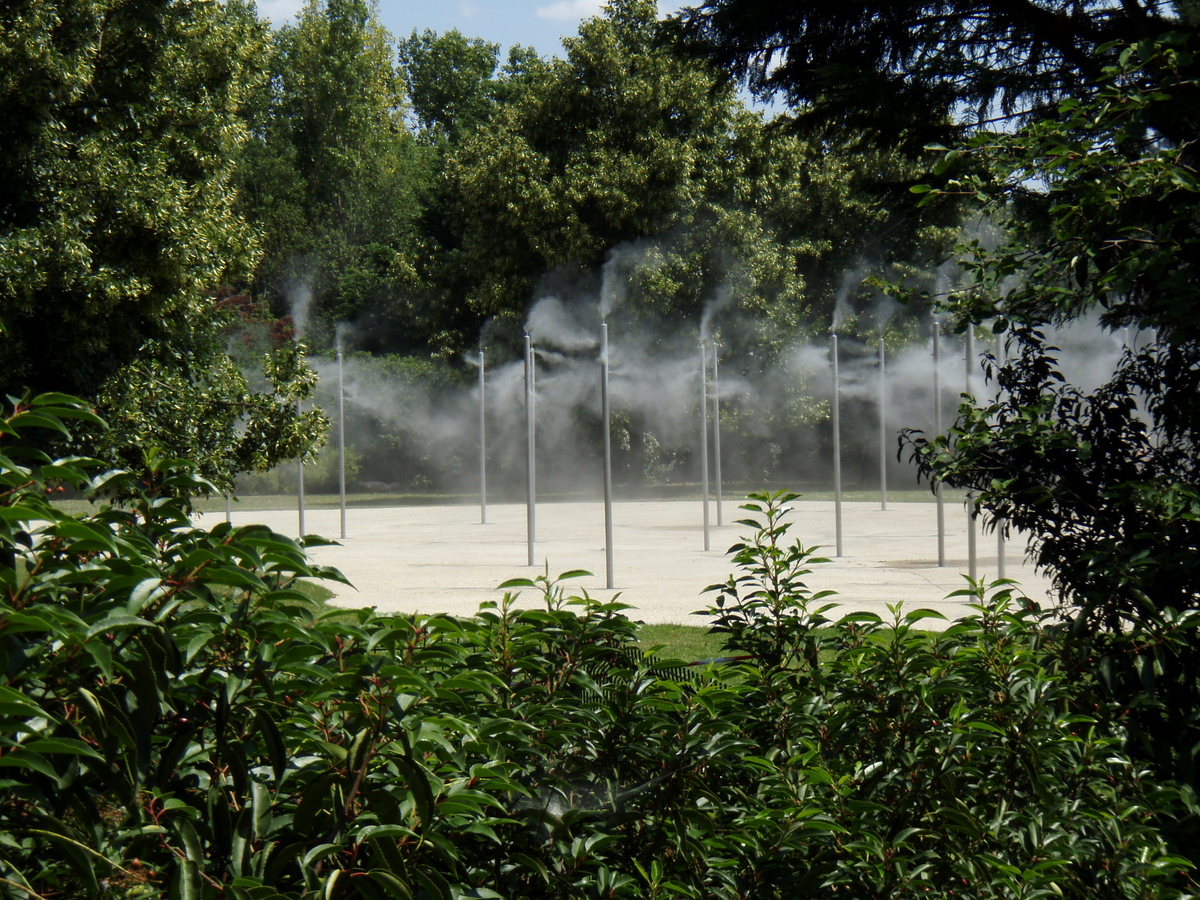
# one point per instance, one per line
(180, 173)
(423, 191)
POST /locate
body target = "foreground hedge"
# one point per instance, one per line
(176, 721)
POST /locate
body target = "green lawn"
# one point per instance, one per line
(686, 642)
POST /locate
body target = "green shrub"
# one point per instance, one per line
(176, 721)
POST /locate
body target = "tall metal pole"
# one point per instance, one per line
(972, 553)
(1000, 548)
(482, 440)
(716, 401)
(606, 414)
(937, 430)
(883, 435)
(837, 449)
(972, 556)
(530, 435)
(341, 410)
(970, 359)
(1000, 522)
(704, 437)
(228, 508)
(300, 480)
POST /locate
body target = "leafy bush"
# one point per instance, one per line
(175, 721)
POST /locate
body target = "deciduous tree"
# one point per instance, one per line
(121, 125)
(627, 141)
(332, 176)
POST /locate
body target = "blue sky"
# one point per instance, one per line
(540, 24)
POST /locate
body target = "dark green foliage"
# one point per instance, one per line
(121, 123)
(176, 722)
(450, 83)
(332, 176)
(764, 610)
(1104, 480)
(885, 66)
(629, 151)
(120, 127)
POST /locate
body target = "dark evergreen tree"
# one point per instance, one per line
(884, 65)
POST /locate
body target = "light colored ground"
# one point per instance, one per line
(441, 559)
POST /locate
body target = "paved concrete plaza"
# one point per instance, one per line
(441, 559)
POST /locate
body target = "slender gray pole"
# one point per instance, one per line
(883, 432)
(716, 400)
(530, 431)
(341, 410)
(533, 406)
(970, 359)
(606, 414)
(972, 556)
(1000, 522)
(704, 437)
(482, 440)
(300, 480)
(937, 430)
(837, 449)
(229, 508)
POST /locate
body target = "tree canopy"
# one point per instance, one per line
(628, 144)
(450, 81)
(885, 65)
(119, 228)
(332, 176)
(120, 125)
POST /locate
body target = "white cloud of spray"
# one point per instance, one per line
(655, 390)
(622, 262)
(299, 298)
(720, 302)
(562, 326)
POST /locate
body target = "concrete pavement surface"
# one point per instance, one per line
(441, 559)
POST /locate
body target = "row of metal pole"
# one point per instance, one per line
(706, 383)
(606, 416)
(835, 421)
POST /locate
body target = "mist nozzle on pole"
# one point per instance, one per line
(300, 480)
(883, 433)
(716, 402)
(482, 439)
(1000, 522)
(341, 412)
(972, 555)
(937, 430)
